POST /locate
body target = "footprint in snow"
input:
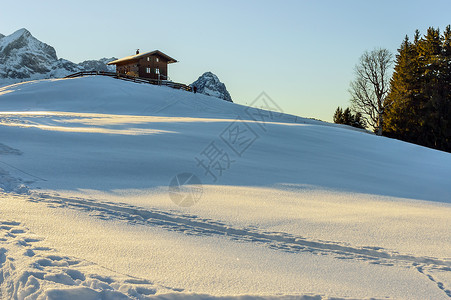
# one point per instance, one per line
(29, 269)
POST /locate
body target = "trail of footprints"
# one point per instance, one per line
(48, 267)
(194, 225)
(439, 284)
(29, 270)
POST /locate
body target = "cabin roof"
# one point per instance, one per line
(138, 56)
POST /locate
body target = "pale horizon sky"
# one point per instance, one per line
(301, 53)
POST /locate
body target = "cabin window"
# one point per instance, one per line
(147, 70)
(157, 71)
(148, 58)
(157, 59)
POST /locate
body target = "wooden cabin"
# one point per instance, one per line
(153, 65)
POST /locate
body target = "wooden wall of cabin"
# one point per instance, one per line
(128, 68)
(152, 63)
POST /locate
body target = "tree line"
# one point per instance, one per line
(414, 104)
(348, 118)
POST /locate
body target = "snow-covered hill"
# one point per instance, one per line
(283, 207)
(23, 57)
(209, 84)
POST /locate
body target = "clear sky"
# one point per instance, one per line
(301, 53)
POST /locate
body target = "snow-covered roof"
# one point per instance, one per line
(138, 56)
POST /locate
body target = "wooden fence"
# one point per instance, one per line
(174, 85)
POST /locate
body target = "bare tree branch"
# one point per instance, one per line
(371, 86)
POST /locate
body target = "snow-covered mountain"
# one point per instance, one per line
(23, 57)
(209, 84)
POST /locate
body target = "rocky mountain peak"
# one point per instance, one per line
(209, 84)
(22, 41)
(22, 32)
(23, 57)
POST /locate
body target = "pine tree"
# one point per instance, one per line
(401, 118)
(420, 91)
(346, 117)
(359, 122)
(338, 116)
(445, 71)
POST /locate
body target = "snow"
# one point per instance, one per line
(139, 55)
(24, 58)
(308, 210)
(209, 84)
(6, 40)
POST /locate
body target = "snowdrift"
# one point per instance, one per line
(285, 206)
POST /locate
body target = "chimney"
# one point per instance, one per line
(137, 51)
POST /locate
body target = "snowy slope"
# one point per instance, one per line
(290, 207)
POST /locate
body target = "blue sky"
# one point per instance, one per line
(301, 53)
